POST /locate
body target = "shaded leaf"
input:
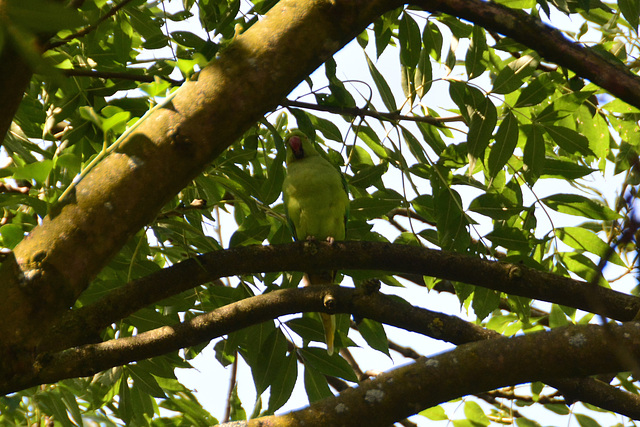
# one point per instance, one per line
(333, 365)
(383, 87)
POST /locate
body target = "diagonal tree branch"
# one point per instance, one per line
(550, 43)
(127, 189)
(92, 358)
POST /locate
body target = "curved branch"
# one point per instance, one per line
(549, 42)
(92, 358)
(79, 325)
(485, 365)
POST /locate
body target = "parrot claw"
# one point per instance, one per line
(331, 240)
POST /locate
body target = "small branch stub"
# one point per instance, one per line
(329, 302)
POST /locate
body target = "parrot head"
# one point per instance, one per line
(298, 146)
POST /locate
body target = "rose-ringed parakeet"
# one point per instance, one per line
(316, 204)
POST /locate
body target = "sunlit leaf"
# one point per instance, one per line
(575, 204)
(383, 87)
(506, 141)
(586, 240)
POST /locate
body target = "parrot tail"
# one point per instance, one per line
(329, 323)
(328, 320)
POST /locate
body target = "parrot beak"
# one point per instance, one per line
(296, 146)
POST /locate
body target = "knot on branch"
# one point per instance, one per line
(329, 303)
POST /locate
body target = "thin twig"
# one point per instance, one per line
(232, 386)
(387, 116)
(346, 354)
(86, 30)
(80, 72)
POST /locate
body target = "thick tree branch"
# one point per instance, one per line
(126, 190)
(469, 369)
(15, 74)
(90, 359)
(550, 43)
(78, 325)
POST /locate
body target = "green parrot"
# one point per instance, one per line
(316, 204)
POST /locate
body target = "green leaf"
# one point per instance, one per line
(373, 333)
(42, 16)
(432, 40)
(237, 412)
(435, 413)
(586, 240)
(316, 385)
(495, 205)
(416, 148)
(475, 414)
(474, 61)
(372, 207)
(409, 40)
(283, 383)
(506, 141)
(569, 140)
(38, 171)
(146, 381)
(328, 128)
(485, 301)
(534, 149)
(272, 186)
(557, 317)
(525, 422)
(270, 361)
(188, 39)
(309, 328)
(368, 176)
(631, 11)
(12, 234)
(252, 234)
(70, 401)
(333, 365)
(483, 121)
(536, 91)
(451, 220)
(582, 266)
(595, 128)
(511, 77)
(370, 137)
(562, 169)
(383, 88)
(575, 204)
(509, 238)
(424, 75)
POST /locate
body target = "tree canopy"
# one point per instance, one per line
(499, 163)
